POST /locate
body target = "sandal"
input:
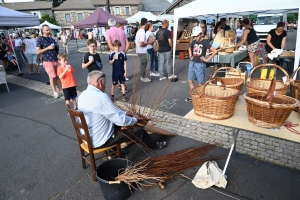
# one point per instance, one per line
(161, 145)
(188, 99)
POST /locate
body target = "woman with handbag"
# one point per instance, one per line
(152, 50)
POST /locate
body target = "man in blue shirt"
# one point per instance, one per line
(104, 119)
(47, 46)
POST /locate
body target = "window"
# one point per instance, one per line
(67, 16)
(79, 15)
(117, 10)
(126, 10)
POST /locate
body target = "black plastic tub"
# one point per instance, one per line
(106, 172)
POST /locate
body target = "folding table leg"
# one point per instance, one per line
(7, 87)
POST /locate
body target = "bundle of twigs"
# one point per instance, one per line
(152, 171)
(145, 102)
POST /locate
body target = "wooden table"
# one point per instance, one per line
(182, 46)
(239, 121)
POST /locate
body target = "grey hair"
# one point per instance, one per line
(93, 76)
(112, 22)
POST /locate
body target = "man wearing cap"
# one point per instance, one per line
(197, 53)
(224, 26)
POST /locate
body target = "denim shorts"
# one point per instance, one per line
(31, 58)
(197, 71)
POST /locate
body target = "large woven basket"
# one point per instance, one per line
(214, 102)
(269, 111)
(262, 85)
(230, 82)
(295, 88)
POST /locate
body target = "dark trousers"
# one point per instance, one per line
(136, 133)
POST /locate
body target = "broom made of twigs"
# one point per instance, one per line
(142, 102)
(153, 171)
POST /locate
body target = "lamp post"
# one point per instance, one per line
(108, 6)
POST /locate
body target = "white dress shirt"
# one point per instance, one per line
(101, 115)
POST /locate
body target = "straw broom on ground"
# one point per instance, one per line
(153, 171)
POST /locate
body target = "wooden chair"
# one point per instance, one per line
(86, 149)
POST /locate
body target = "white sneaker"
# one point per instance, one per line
(55, 94)
(157, 75)
(41, 64)
(172, 76)
(127, 79)
(145, 80)
(162, 78)
(152, 74)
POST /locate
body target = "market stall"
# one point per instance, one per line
(204, 9)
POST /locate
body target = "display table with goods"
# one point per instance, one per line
(184, 42)
(229, 58)
(265, 111)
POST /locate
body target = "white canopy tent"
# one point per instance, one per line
(138, 16)
(14, 19)
(199, 8)
(51, 26)
(167, 17)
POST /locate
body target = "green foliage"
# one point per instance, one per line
(252, 17)
(292, 16)
(46, 17)
(55, 3)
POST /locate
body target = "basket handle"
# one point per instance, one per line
(270, 94)
(218, 79)
(294, 73)
(272, 65)
(225, 68)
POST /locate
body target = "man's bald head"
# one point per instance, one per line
(165, 23)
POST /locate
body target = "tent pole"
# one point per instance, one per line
(20, 73)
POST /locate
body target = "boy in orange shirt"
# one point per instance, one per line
(65, 73)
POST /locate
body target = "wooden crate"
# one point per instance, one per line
(231, 74)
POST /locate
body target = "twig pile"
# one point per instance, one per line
(152, 171)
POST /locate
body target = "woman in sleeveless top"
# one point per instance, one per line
(252, 40)
(218, 33)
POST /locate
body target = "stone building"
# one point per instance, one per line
(123, 9)
(154, 6)
(39, 8)
(70, 12)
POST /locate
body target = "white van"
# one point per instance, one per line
(264, 23)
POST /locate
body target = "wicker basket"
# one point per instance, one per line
(214, 102)
(262, 85)
(295, 88)
(230, 82)
(269, 111)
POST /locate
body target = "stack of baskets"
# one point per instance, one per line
(214, 102)
(295, 88)
(268, 108)
(259, 85)
(230, 82)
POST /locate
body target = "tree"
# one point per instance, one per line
(46, 17)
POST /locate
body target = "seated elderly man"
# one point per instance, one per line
(104, 119)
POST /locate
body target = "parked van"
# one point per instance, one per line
(264, 23)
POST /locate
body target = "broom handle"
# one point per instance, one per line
(114, 182)
(228, 158)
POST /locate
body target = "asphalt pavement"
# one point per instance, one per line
(40, 158)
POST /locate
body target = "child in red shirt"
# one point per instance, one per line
(65, 73)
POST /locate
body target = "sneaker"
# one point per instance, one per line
(172, 76)
(30, 73)
(127, 79)
(38, 72)
(145, 80)
(162, 78)
(124, 98)
(55, 94)
(152, 74)
(188, 99)
(60, 93)
(157, 75)
(41, 64)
